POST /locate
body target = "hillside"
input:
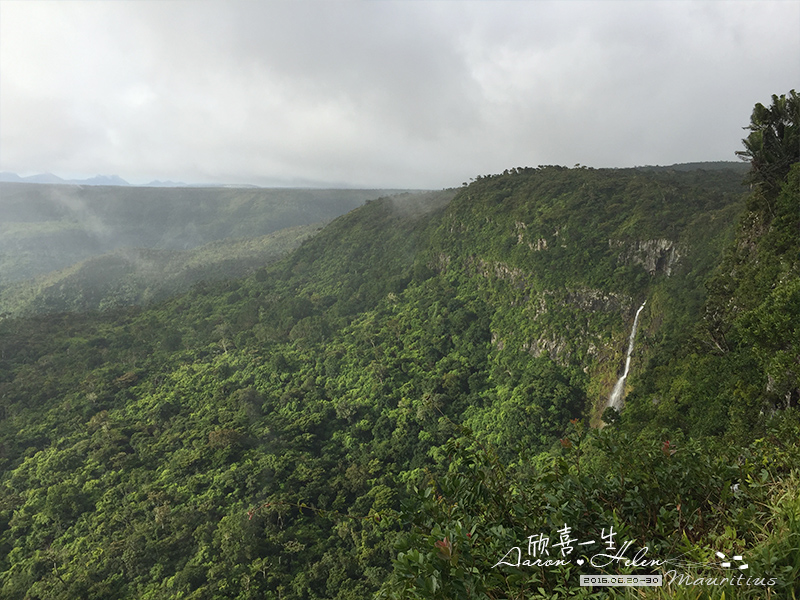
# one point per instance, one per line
(139, 276)
(404, 397)
(45, 228)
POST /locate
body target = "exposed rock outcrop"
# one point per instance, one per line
(656, 256)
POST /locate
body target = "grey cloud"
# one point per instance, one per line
(413, 94)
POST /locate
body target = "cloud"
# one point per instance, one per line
(412, 94)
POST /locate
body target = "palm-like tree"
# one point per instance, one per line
(774, 141)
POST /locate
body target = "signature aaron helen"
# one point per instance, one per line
(598, 560)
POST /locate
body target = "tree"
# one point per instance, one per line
(773, 144)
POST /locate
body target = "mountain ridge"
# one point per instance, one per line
(116, 180)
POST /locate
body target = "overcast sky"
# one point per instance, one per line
(381, 93)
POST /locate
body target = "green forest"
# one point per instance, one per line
(411, 403)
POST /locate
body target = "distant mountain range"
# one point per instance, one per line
(50, 178)
(96, 180)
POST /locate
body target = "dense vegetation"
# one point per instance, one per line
(404, 398)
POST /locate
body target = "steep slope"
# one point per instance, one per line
(567, 256)
(743, 357)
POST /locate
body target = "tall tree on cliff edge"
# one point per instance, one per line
(773, 145)
(754, 301)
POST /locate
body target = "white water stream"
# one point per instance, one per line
(615, 399)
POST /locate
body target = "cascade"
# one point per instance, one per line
(615, 399)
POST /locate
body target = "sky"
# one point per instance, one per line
(381, 93)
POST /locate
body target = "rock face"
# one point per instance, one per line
(593, 300)
(659, 255)
(556, 348)
(497, 269)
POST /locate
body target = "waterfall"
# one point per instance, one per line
(615, 399)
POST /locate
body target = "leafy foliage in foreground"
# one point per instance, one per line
(678, 501)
